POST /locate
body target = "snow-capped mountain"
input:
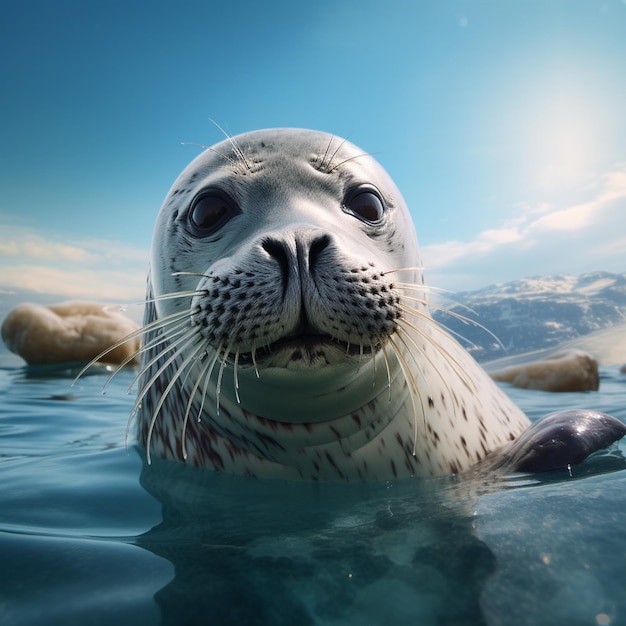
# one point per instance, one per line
(534, 313)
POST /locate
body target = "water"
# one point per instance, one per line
(90, 535)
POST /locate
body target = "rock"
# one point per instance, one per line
(573, 370)
(71, 331)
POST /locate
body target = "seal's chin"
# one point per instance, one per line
(307, 351)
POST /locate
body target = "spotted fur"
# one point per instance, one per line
(293, 338)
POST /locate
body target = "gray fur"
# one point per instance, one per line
(306, 349)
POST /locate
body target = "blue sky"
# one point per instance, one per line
(502, 122)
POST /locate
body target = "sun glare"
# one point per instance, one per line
(563, 134)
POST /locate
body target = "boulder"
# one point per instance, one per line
(68, 332)
(573, 370)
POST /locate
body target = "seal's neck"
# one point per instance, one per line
(301, 396)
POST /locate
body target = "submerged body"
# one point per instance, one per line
(288, 331)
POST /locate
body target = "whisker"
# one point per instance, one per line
(153, 343)
(415, 268)
(201, 348)
(136, 333)
(175, 294)
(408, 338)
(432, 304)
(172, 345)
(218, 386)
(233, 162)
(438, 347)
(239, 151)
(164, 331)
(166, 296)
(180, 332)
(334, 154)
(236, 377)
(175, 378)
(423, 315)
(160, 338)
(437, 291)
(462, 318)
(233, 142)
(142, 393)
(323, 161)
(417, 286)
(253, 355)
(164, 321)
(449, 330)
(412, 387)
(387, 366)
(358, 156)
(120, 367)
(198, 274)
(207, 379)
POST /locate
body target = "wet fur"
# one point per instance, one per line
(374, 390)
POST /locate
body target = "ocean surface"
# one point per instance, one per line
(90, 534)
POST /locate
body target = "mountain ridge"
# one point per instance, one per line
(534, 313)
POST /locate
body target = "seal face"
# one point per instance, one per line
(287, 330)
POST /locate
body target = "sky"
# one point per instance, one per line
(503, 123)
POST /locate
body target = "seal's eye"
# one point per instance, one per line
(209, 212)
(367, 206)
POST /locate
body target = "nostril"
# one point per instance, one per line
(273, 248)
(278, 251)
(318, 245)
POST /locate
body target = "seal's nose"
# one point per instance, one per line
(297, 255)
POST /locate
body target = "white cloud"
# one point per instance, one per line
(78, 283)
(19, 242)
(34, 247)
(92, 269)
(501, 236)
(611, 249)
(543, 239)
(449, 253)
(574, 218)
(583, 215)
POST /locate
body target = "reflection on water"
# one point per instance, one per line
(90, 534)
(287, 553)
(248, 551)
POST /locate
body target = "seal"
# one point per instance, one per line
(287, 327)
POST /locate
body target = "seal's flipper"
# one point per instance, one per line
(561, 439)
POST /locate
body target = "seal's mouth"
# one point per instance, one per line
(307, 347)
